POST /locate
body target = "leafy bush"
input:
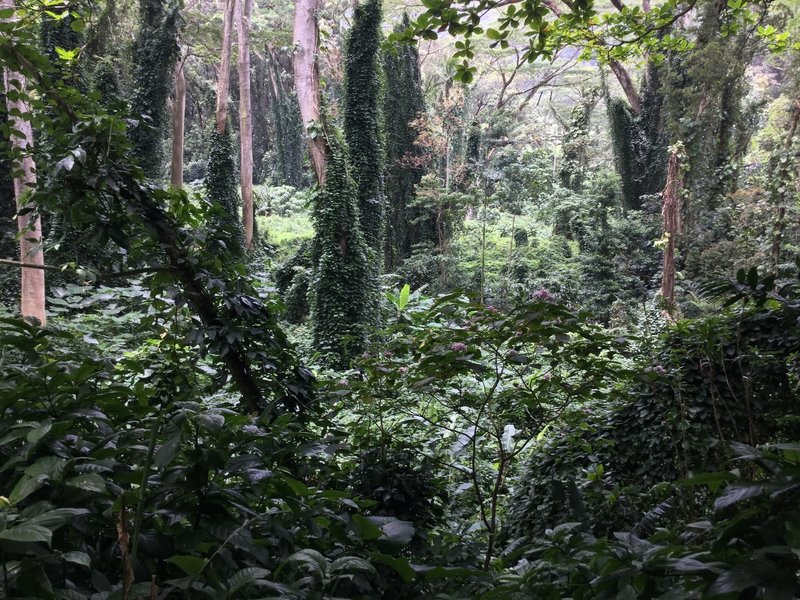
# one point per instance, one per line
(116, 481)
(732, 376)
(281, 200)
(747, 548)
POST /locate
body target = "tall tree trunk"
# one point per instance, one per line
(178, 120)
(224, 77)
(306, 78)
(246, 123)
(782, 185)
(29, 226)
(671, 216)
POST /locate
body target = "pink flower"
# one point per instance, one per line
(491, 308)
(388, 354)
(342, 383)
(544, 294)
(458, 346)
(403, 370)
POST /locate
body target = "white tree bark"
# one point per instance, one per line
(224, 77)
(29, 226)
(246, 123)
(306, 81)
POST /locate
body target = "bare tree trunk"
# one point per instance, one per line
(178, 120)
(29, 226)
(306, 78)
(246, 123)
(671, 216)
(777, 237)
(224, 77)
(627, 86)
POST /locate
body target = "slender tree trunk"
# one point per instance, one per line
(224, 77)
(30, 226)
(246, 123)
(627, 86)
(782, 184)
(306, 78)
(178, 120)
(671, 217)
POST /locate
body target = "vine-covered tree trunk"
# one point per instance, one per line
(576, 143)
(220, 182)
(155, 53)
(403, 103)
(289, 131)
(340, 286)
(362, 120)
(671, 216)
(246, 123)
(29, 224)
(178, 121)
(782, 184)
(306, 77)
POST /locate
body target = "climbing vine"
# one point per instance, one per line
(155, 53)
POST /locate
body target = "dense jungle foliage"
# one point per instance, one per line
(533, 331)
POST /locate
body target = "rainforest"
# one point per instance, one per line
(402, 299)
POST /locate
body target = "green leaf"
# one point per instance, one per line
(395, 533)
(211, 421)
(402, 300)
(91, 482)
(191, 565)
(365, 529)
(25, 487)
(168, 451)
(737, 493)
(53, 519)
(352, 564)
(244, 578)
(747, 575)
(27, 533)
(712, 480)
(400, 564)
(51, 466)
(432, 573)
(752, 277)
(42, 430)
(298, 487)
(79, 558)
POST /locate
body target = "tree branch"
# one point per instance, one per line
(98, 277)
